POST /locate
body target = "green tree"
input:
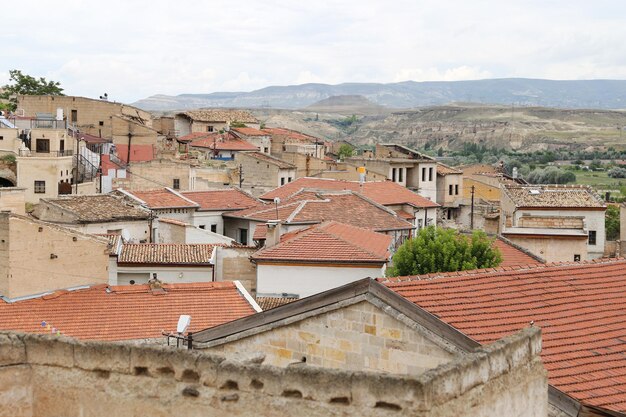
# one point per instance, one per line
(444, 250)
(22, 84)
(345, 151)
(611, 222)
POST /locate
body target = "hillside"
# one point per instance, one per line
(348, 105)
(449, 127)
(607, 94)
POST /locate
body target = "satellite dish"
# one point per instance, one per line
(183, 323)
(276, 200)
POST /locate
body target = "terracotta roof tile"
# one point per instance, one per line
(126, 312)
(553, 196)
(291, 135)
(226, 142)
(166, 253)
(343, 207)
(221, 115)
(227, 199)
(268, 303)
(443, 169)
(580, 308)
(100, 208)
(329, 242)
(163, 198)
(512, 256)
(382, 192)
(250, 131)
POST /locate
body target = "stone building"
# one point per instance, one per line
(98, 214)
(558, 223)
(261, 172)
(211, 120)
(155, 173)
(449, 191)
(259, 138)
(286, 140)
(38, 257)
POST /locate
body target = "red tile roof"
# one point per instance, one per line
(194, 135)
(330, 242)
(126, 312)
(226, 142)
(383, 192)
(250, 131)
(227, 199)
(138, 153)
(512, 256)
(291, 135)
(163, 198)
(344, 207)
(268, 303)
(580, 308)
(166, 253)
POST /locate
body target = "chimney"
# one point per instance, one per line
(274, 230)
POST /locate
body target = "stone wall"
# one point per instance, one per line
(552, 222)
(157, 173)
(233, 264)
(355, 337)
(47, 376)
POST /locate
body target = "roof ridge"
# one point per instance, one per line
(347, 241)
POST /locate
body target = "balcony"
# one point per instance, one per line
(48, 124)
(46, 154)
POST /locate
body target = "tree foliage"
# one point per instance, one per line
(617, 172)
(444, 250)
(345, 151)
(550, 175)
(611, 222)
(23, 84)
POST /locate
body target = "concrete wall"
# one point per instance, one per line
(553, 249)
(138, 230)
(233, 264)
(47, 376)
(36, 257)
(259, 176)
(208, 218)
(52, 170)
(156, 174)
(356, 337)
(306, 280)
(9, 141)
(168, 274)
(12, 199)
(306, 165)
(180, 233)
(443, 189)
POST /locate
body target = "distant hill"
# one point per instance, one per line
(604, 94)
(347, 105)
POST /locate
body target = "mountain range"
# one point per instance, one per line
(603, 94)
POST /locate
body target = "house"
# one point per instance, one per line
(404, 166)
(365, 328)
(556, 222)
(137, 312)
(318, 258)
(37, 257)
(407, 204)
(211, 120)
(213, 203)
(222, 146)
(449, 191)
(306, 208)
(98, 214)
(176, 231)
(162, 172)
(163, 202)
(169, 262)
(578, 306)
(286, 140)
(259, 138)
(261, 173)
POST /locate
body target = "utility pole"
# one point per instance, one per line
(240, 175)
(77, 154)
(472, 211)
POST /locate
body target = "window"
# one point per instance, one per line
(456, 189)
(42, 145)
(202, 226)
(450, 189)
(423, 174)
(40, 187)
(282, 181)
(449, 214)
(74, 116)
(393, 174)
(266, 150)
(592, 237)
(430, 174)
(289, 179)
(420, 224)
(214, 228)
(243, 236)
(1, 137)
(400, 174)
(209, 128)
(176, 184)
(576, 258)
(101, 123)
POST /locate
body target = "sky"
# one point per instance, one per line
(134, 49)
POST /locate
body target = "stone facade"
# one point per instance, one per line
(356, 337)
(156, 174)
(46, 376)
(233, 264)
(35, 257)
(552, 222)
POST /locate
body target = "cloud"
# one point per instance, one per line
(135, 49)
